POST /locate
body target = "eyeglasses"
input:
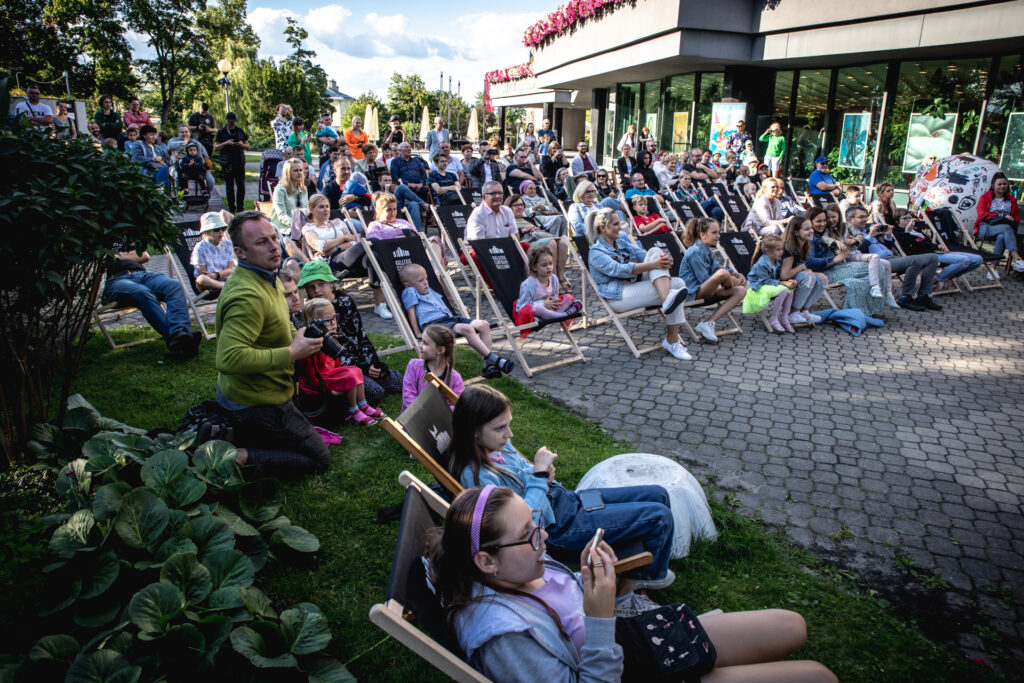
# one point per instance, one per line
(533, 539)
(590, 192)
(493, 194)
(601, 175)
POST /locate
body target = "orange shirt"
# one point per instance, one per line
(356, 142)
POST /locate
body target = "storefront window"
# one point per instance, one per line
(677, 127)
(611, 142)
(809, 120)
(711, 85)
(853, 127)
(627, 110)
(780, 111)
(650, 117)
(1006, 111)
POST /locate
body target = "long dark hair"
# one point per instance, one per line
(813, 213)
(798, 251)
(694, 228)
(998, 176)
(478, 405)
(452, 568)
(643, 158)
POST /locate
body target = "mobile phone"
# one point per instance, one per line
(593, 544)
(591, 499)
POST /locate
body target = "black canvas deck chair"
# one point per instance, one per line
(822, 200)
(953, 236)
(410, 598)
(705, 187)
(799, 189)
(179, 267)
(452, 220)
(734, 210)
(687, 209)
(504, 262)
(388, 257)
(737, 247)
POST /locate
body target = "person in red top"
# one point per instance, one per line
(356, 137)
(135, 116)
(322, 374)
(647, 223)
(998, 218)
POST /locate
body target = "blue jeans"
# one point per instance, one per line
(630, 513)
(610, 203)
(405, 195)
(1003, 234)
(809, 288)
(712, 209)
(957, 263)
(139, 289)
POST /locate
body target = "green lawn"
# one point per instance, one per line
(747, 568)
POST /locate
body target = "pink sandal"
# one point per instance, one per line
(375, 413)
(360, 418)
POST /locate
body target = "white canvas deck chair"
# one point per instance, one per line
(504, 262)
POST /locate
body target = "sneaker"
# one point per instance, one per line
(776, 325)
(1018, 265)
(382, 311)
(786, 324)
(706, 329)
(574, 308)
(797, 318)
(890, 301)
(910, 304)
(812, 318)
(674, 300)
(677, 350)
(491, 371)
(927, 302)
(505, 365)
(657, 584)
(876, 292)
(631, 604)
(992, 275)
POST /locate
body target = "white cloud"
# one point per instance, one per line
(396, 24)
(269, 25)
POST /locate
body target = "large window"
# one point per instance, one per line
(809, 120)
(853, 127)
(1006, 99)
(677, 129)
(650, 117)
(711, 85)
(611, 142)
(627, 110)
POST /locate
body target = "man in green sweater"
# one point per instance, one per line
(257, 346)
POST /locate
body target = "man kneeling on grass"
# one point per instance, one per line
(425, 307)
(257, 346)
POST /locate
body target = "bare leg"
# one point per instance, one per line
(709, 288)
(241, 456)
(483, 328)
(672, 333)
(735, 295)
(205, 282)
(472, 338)
(378, 296)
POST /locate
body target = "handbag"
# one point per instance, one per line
(664, 645)
(208, 162)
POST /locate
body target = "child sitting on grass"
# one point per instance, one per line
(538, 295)
(322, 374)
(213, 257)
(424, 306)
(764, 283)
(647, 223)
(437, 355)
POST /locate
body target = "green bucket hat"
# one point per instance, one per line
(316, 270)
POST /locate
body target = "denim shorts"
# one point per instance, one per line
(449, 321)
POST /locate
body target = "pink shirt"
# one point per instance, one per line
(413, 381)
(383, 231)
(486, 224)
(561, 592)
(132, 119)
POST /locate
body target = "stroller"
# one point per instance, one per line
(269, 160)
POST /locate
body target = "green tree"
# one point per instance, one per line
(96, 30)
(407, 95)
(40, 52)
(358, 108)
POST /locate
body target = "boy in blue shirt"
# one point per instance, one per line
(424, 306)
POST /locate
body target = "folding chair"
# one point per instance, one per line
(799, 187)
(452, 220)
(504, 262)
(410, 597)
(945, 222)
(704, 185)
(113, 312)
(734, 210)
(822, 200)
(179, 257)
(264, 207)
(900, 251)
(687, 209)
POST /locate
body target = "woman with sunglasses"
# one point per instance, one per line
(605, 188)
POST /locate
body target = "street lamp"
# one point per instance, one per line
(224, 66)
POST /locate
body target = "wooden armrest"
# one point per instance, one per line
(633, 562)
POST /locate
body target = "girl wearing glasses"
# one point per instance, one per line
(482, 453)
(521, 616)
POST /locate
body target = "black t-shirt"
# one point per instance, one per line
(232, 154)
(200, 119)
(120, 266)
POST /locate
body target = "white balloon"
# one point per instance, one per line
(954, 182)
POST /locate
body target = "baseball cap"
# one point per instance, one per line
(211, 220)
(821, 160)
(230, 116)
(394, 117)
(316, 270)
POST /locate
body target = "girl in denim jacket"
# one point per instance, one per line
(704, 278)
(765, 284)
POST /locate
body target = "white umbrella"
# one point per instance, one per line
(372, 127)
(473, 130)
(425, 126)
(366, 120)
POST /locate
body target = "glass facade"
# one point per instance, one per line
(676, 133)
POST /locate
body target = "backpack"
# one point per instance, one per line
(209, 420)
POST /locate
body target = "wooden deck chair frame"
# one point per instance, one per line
(103, 313)
(969, 240)
(390, 616)
(395, 429)
(178, 269)
(503, 316)
(264, 207)
(449, 240)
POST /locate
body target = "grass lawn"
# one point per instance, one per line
(747, 568)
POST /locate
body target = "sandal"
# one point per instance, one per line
(565, 286)
(360, 418)
(375, 413)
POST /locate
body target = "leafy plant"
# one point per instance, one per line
(153, 563)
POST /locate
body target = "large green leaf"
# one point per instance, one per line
(229, 569)
(104, 574)
(82, 419)
(261, 501)
(257, 602)
(216, 628)
(96, 613)
(69, 537)
(297, 538)
(184, 646)
(214, 461)
(191, 578)
(73, 479)
(183, 491)
(328, 670)
(251, 645)
(162, 468)
(102, 666)
(154, 606)
(305, 630)
(210, 535)
(141, 518)
(255, 548)
(56, 648)
(237, 524)
(225, 598)
(107, 500)
(173, 546)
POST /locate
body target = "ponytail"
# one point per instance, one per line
(595, 221)
(695, 227)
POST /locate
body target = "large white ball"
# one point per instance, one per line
(954, 182)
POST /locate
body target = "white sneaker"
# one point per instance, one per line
(812, 318)
(674, 300)
(1018, 265)
(797, 318)
(382, 311)
(657, 584)
(677, 349)
(876, 292)
(706, 329)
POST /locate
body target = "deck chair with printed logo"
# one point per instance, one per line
(822, 200)
(452, 220)
(504, 263)
(686, 209)
(800, 190)
(179, 267)
(410, 597)
(899, 249)
(735, 211)
(953, 236)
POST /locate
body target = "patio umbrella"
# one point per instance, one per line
(425, 126)
(372, 127)
(367, 117)
(473, 130)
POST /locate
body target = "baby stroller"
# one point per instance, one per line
(269, 160)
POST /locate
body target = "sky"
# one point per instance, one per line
(360, 44)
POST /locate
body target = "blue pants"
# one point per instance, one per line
(957, 263)
(405, 195)
(712, 209)
(630, 513)
(140, 289)
(1003, 234)
(809, 287)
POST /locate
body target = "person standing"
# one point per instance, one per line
(546, 130)
(63, 125)
(232, 142)
(395, 135)
(37, 113)
(437, 135)
(257, 347)
(282, 125)
(628, 138)
(355, 138)
(109, 121)
(776, 149)
(202, 127)
(135, 116)
(737, 140)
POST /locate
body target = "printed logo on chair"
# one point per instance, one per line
(497, 251)
(441, 437)
(401, 253)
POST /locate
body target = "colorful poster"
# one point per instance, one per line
(853, 147)
(1012, 158)
(680, 130)
(724, 116)
(928, 135)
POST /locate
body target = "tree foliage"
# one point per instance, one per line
(407, 95)
(96, 30)
(358, 108)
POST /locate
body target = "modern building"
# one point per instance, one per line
(896, 72)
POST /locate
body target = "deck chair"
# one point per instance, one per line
(504, 262)
(734, 210)
(800, 190)
(409, 596)
(944, 221)
(452, 220)
(582, 252)
(705, 187)
(900, 251)
(685, 210)
(264, 207)
(113, 312)
(822, 200)
(179, 257)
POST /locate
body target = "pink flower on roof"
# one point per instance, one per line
(566, 18)
(513, 73)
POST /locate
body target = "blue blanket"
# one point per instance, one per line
(853, 320)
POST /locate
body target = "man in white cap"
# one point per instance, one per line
(213, 257)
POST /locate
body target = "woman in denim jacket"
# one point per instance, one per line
(628, 277)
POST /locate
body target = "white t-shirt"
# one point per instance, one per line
(41, 109)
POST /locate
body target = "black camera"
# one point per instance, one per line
(331, 346)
